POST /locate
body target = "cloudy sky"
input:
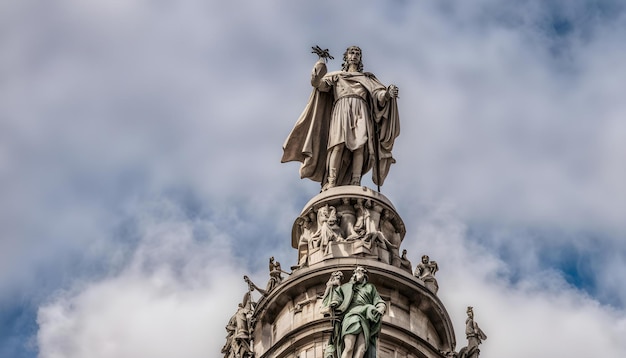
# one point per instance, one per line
(140, 173)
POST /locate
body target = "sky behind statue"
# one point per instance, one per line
(140, 172)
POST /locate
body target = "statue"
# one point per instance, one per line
(392, 237)
(348, 219)
(356, 309)
(231, 328)
(348, 126)
(304, 242)
(474, 335)
(366, 226)
(239, 330)
(405, 263)
(328, 229)
(276, 278)
(368, 218)
(425, 271)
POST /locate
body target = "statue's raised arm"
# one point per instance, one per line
(348, 126)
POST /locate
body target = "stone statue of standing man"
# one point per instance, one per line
(475, 336)
(356, 309)
(348, 126)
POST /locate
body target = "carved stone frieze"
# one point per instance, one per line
(349, 221)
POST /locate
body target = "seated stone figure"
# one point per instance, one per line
(425, 271)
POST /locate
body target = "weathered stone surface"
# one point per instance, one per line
(349, 221)
(290, 320)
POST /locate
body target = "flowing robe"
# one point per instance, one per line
(356, 304)
(475, 336)
(344, 108)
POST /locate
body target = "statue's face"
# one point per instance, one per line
(359, 275)
(353, 56)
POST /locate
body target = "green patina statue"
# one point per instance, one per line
(356, 310)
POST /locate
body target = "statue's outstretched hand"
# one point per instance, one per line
(323, 54)
(392, 91)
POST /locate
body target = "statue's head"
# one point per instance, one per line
(332, 216)
(304, 221)
(352, 55)
(425, 259)
(388, 214)
(470, 311)
(359, 275)
(338, 275)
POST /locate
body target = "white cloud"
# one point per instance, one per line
(165, 303)
(144, 139)
(539, 315)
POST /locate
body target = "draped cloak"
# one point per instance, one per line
(475, 336)
(308, 141)
(356, 304)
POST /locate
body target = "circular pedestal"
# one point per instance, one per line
(349, 221)
(291, 323)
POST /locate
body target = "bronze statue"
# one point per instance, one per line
(356, 309)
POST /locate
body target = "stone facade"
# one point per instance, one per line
(349, 221)
(338, 230)
(290, 324)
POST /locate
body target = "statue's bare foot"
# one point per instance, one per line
(328, 186)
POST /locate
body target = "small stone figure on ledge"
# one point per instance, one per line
(356, 310)
(404, 262)
(304, 242)
(348, 127)
(425, 271)
(474, 335)
(276, 278)
(239, 330)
